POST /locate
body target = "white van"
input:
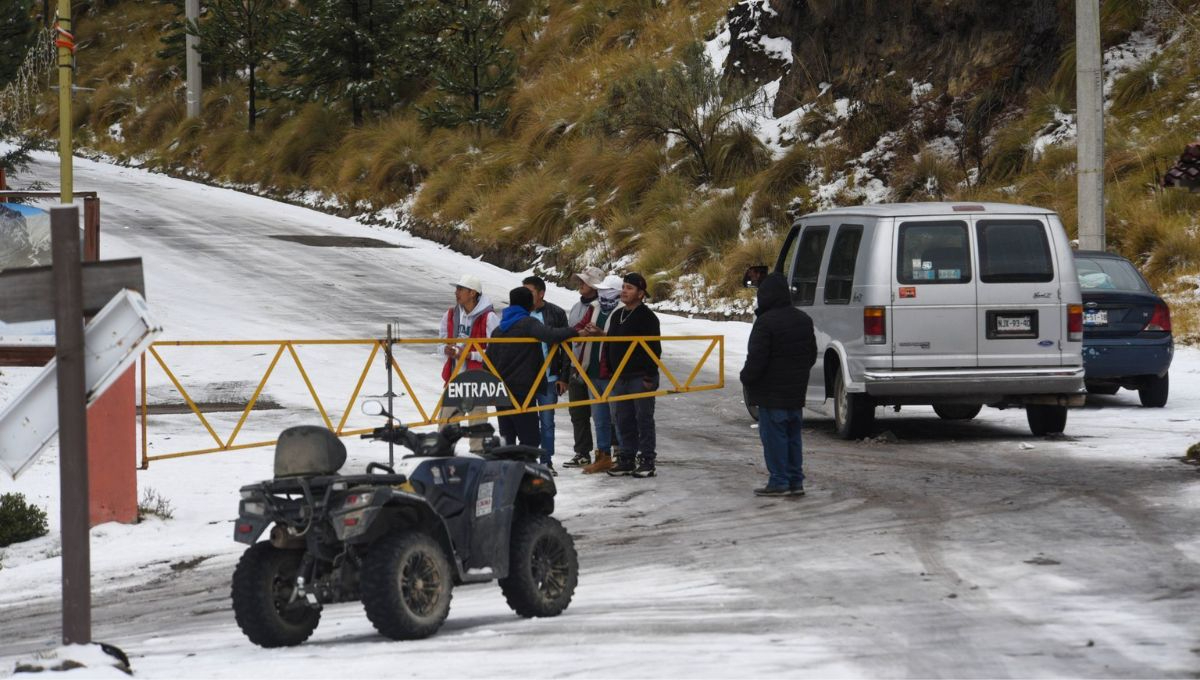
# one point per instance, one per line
(948, 304)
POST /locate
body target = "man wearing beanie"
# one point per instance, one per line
(635, 418)
(519, 363)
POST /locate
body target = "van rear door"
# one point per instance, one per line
(1021, 318)
(933, 295)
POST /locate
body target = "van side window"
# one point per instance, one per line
(808, 265)
(1014, 251)
(787, 254)
(839, 280)
(933, 253)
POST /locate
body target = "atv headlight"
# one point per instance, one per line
(357, 500)
(257, 509)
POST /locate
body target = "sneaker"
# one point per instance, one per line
(604, 462)
(772, 491)
(796, 491)
(580, 460)
(644, 469)
(622, 469)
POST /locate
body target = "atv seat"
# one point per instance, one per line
(524, 454)
(308, 450)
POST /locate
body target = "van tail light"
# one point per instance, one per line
(1075, 323)
(1161, 320)
(874, 326)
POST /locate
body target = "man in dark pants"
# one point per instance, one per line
(582, 313)
(780, 356)
(519, 363)
(635, 417)
(554, 382)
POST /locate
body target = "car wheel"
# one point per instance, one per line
(406, 584)
(1046, 419)
(264, 602)
(1153, 393)
(957, 411)
(543, 568)
(750, 408)
(1102, 388)
(853, 414)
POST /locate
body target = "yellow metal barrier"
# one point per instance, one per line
(715, 343)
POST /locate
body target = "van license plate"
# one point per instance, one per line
(1021, 324)
(1095, 317)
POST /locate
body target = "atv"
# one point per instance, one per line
(398, 540)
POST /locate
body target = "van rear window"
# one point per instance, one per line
(1014, 251)
(933, 253)
(808, 264)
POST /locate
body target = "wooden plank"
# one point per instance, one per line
(26, 355)
(28, 294)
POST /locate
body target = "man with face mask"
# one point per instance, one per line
(580, 315)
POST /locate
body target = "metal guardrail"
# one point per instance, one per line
(716, 343)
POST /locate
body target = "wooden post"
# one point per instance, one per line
(91, 229)
(72, 426)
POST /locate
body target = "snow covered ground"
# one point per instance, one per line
(947, 549)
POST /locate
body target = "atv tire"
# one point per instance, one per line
(406, 584)
(263, 584)
(543, 568)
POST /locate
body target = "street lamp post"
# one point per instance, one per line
(1089, 95)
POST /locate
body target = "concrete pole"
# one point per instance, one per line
(72, 426)
(1089, 95)
(65, 40)
(191, 43)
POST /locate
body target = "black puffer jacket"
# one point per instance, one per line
(782, 349)
(518, 363)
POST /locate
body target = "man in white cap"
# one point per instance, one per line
(472, 316)
(580, 315)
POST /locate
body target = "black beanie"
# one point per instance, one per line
(521, 297)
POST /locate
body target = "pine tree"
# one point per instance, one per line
(243, 32)
(473, 69)
(16, 33)
(352, 51)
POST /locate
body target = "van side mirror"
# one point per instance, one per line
(754, 276)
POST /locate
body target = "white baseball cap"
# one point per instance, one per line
(471, 282)
(611, 282)
(592, 276)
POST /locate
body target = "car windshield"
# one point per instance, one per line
(1106, 273)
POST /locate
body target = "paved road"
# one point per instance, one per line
(959, 549)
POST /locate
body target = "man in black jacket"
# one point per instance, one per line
(635, 417)
(555, 382)
(519, 363)
(781, 354)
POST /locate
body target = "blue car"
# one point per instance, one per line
(1126, 329)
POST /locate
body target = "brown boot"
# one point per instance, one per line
(603, 463)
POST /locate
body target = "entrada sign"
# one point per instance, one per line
(470, 389)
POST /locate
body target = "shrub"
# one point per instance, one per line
(20, 521)
(154, 504)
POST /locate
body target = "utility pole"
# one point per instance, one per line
(64, 39)
(191, 44)
(1089, 97)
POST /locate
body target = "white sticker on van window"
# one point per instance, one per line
(949, 274)
(927, 265)
(916, 263)
(923, 275)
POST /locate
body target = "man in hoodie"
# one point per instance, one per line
(599, 372)
(471, 316)
(635, 417)
(548, 393)
(781, 354)
(519, 363)
(579, 316)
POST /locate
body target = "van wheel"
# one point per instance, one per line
(957, 411)
(1045, 419)
(1153, 392)
(853, 414)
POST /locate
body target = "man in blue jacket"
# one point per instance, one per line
(781, 354)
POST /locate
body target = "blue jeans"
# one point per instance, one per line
(779, 429)
(602, 417)
(548, 395)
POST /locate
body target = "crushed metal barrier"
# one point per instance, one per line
(527, 404)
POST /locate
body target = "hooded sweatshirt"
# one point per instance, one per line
(519, 363)
(782, 349)
(480, 322)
